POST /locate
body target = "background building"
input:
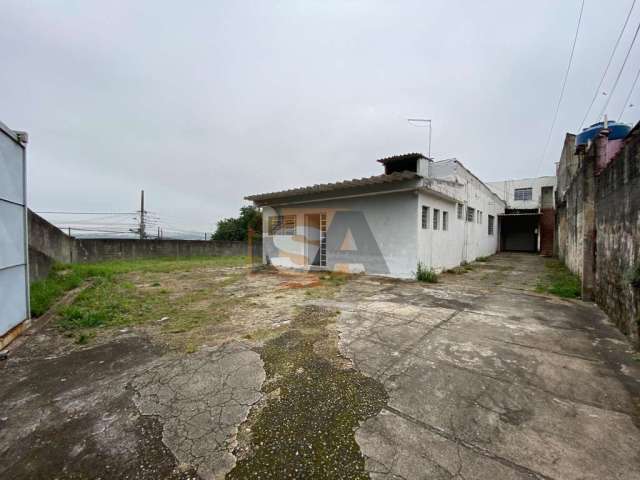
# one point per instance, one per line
(528, 223)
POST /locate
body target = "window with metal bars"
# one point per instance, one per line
(523, 194)
(460, 211)
(282, 225)
(490, 221)
(436, 218)
(425, 217)
(445, 221)
(471, 213)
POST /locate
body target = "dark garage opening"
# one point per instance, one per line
(519, 232)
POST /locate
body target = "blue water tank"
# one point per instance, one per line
(617, 131)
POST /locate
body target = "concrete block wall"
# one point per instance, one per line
(98, 250)
(598, 228)
(49, 245)
(618, 239)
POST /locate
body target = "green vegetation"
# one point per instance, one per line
(482, 259)
(238, 228)
(558, 280)
(424, 274)
(46, 292)
(314, 403)
(63, 278)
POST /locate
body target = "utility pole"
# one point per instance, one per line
(423, 120)
(142, 212)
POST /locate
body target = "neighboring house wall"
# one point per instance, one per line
(506, 191)
(598, 227)
(362, 234)
(617, 207)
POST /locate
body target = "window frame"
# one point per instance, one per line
(445, 221)
(282, 225)
(425, 217)
(527, 194)
(470, 218)
(436, 219)
(460, 211)
(490, 225)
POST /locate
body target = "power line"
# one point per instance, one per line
(564, 85)
(615, 84)
(626, 102)
(604, 74)
(87, 213)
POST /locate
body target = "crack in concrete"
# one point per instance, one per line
(468, 445)
(201, 400)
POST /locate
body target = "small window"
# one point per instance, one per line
(460, 211)
(471, 213)
(425, 217)
(490, 224)
(436, 218)
(523, 194)
(479, 216)
(445, 221)
(282, 225)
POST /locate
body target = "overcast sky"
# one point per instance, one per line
(202, 103)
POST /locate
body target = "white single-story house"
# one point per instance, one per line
(436, 213)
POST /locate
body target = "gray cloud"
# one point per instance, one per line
(204, 102)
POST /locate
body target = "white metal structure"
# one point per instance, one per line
(14, 268)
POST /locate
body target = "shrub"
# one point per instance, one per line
(424, 274)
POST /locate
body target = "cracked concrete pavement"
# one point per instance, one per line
(489, 381)
(200, 401)
(485, 380)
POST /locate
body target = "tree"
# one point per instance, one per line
(238, 228)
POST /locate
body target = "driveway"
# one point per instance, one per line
(487, 379)
(316, 376)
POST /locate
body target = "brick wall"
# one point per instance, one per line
(547, 226)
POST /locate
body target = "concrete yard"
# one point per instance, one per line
(329, 376)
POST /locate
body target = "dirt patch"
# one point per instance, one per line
(314, 402)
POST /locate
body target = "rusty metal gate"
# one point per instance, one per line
(14, 269)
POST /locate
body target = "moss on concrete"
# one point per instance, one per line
(315, 402)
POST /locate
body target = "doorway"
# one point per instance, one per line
(519, 232)
(315, 239)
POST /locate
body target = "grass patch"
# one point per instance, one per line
(63, 278)
(424, 274)
(482, 259)
(558, 280)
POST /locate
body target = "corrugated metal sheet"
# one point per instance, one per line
(330, 187)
